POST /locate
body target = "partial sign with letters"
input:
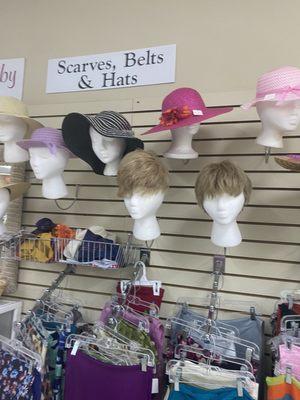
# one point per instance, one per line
(149, 66)
(12, 77)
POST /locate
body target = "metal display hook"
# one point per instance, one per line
(73, 200)
(267, 154)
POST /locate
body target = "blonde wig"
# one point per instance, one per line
(142, 172)
(224, 177)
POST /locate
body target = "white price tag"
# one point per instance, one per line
(75, 348)
(154, 386)
(270, 96)
(197, 112)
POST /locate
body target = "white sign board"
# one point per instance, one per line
(149, 66)
(12, 77)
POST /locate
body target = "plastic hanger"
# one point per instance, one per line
(179, 370)
(124, 299)
(141, 279)
(219, 343)
(236, 305)
(181, 352)
(128, 314)
(202, 321)
(16, 348)
(110, 348)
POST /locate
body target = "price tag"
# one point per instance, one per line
(75, 348)
(270, 96)
(197, 112)
(154, 386)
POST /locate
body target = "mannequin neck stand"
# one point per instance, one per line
(111, 168)
(54, 187)
(181, 146)
(146, 228)
(228, 235)
(270, 138)
(3, 228)
(14, 153)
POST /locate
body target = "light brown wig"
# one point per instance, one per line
(142, 172)
(224, 177)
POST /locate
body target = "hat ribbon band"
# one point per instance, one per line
(173, 115)
(280, 94)
(52, 147)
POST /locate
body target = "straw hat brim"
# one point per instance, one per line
(31, 123)
(288, 163)
(16, 189)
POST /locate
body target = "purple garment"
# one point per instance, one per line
(156, 328)
(90, 379)
(156, 333)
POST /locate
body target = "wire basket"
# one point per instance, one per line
(100, 254)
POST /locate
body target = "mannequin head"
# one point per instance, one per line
(143, 205)
(181, 146)
(101, 140)
(224, 208)
(109, 150)
(13, 129)
(222, 189)
(4, 201)
(277, 119)
(46, 165)
(48, 159)
(143, 181)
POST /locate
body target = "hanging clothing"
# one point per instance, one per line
(144, 293)
(87, 378)
(16, 377)
(279, 389)
(187, 392)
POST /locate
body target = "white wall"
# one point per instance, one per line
(223, 45)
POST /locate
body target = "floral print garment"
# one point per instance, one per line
(16, 378)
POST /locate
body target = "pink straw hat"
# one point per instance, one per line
(281, 84)
(183, 107)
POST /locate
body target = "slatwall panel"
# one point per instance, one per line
(266, 262)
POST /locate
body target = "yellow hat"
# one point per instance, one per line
(14, 107)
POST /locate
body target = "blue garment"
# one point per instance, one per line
(187, 392)
(36, 389)
(95, 247)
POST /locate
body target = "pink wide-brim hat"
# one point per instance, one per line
(184, 107)
(280, 85)
(46, 137)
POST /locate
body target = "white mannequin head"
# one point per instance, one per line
(181, 146)
(4, 203)
(276, 120)
(108, 150)
(142, 208)
(13, 129)
(49, 168)
(224, 210)
(222, 189)
(143, 181)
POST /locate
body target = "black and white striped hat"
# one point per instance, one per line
(75, 130)
(111, 124)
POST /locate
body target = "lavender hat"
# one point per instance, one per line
(46, 137)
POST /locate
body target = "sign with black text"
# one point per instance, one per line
(149, 66)
(12, 77)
